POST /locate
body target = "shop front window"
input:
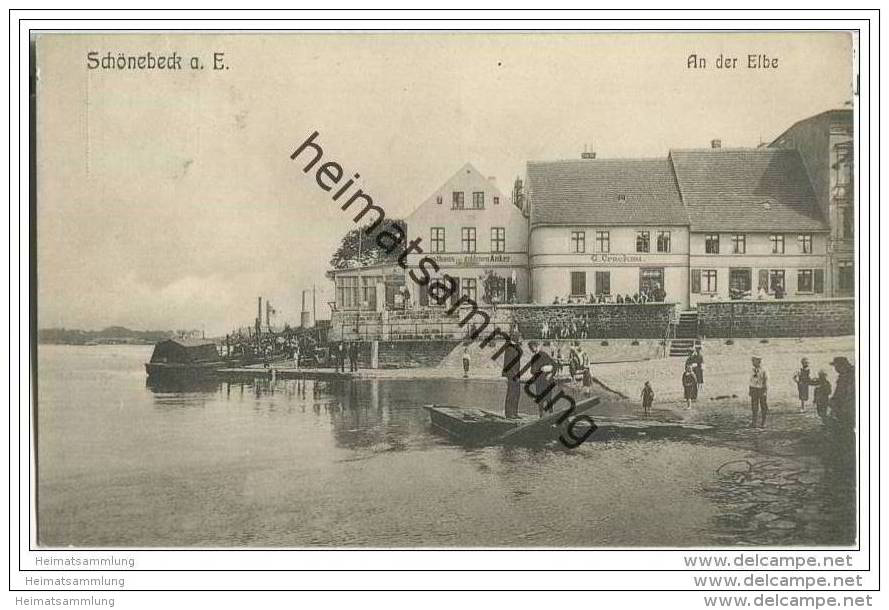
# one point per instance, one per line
(650, 279)
(578, 283)
(805, 280)
(776, 280)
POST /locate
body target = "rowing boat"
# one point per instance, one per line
(471, 425)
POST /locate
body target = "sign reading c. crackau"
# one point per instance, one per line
(616, 259)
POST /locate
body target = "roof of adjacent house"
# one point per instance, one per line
(761, 189)
(842, 114)
(604, 192)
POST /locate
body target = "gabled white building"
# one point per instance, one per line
(476, 235)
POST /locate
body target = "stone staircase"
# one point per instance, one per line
(683, 344)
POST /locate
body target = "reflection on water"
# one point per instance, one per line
(299, 463)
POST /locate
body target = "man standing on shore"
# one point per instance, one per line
(759, 387)
(543, 369)
(353, 357)
(341, 356)
(842, 403)
(512, 365)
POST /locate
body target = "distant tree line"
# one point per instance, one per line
(112, 334)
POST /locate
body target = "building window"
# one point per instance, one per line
(369, 291)
(650, 279)
(478, 200)
(578, 241)
(847, 220)
(496, 200)
(603, 282)
(846, 276)
(578, 283)
(739, 243)
(469, 288)
(708, 281)
(467, 238)
(438, 199)
(777, 240)
(643, 241)
(622, 198)
(663, 241)
(711, 243)
(740, 281)
(603, 241)
(457, 200)
(819, 281)
(805, 280)
(437, 237)
(347, 296)
(703, 281)
(843, 163)
(805, 243)
(498, 239)
(776, 278)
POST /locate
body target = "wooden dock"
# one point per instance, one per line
(252, 372)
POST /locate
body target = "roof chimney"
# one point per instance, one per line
(587, 154)
(715, 143)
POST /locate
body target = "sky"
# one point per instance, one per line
(167, 198)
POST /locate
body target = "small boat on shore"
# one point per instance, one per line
(474, 426)
(184, 359)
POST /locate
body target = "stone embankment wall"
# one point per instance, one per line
(784, 318)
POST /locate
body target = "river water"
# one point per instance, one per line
(122, 463)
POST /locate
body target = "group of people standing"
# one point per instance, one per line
(693, 376)
(838, 407)
(343, 351)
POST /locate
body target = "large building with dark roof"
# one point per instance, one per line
(605, 227)
(700, 224)
(713, 223)
(753, 223)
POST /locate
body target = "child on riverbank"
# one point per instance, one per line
(465, 361)
(647, 398)
(821, 396)
(689, 386)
